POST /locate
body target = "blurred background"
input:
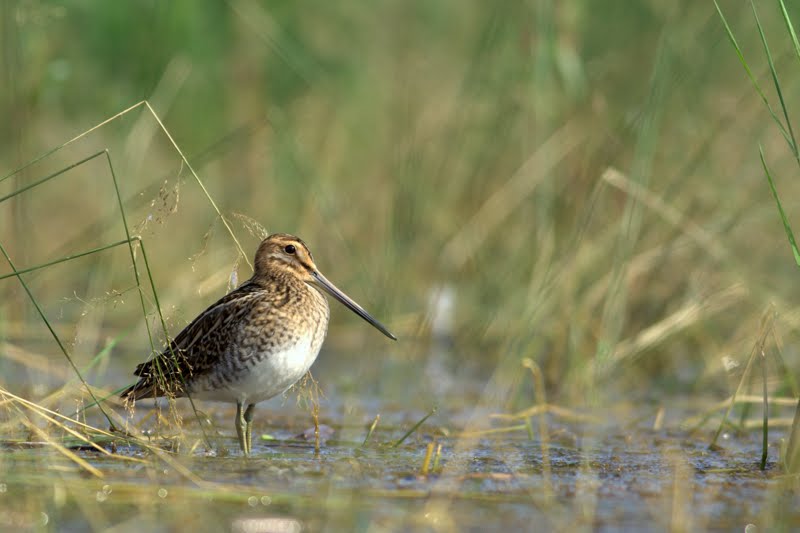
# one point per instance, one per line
(556, 181)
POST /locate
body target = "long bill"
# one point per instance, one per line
(331, 289)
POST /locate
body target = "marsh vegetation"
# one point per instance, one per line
(560, 210)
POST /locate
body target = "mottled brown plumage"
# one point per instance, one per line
(253, 343)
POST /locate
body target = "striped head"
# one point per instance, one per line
(285, 254)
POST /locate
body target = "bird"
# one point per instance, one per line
(253, 343)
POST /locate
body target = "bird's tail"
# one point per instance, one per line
(145, 387)
(137, 391)
(156, 378)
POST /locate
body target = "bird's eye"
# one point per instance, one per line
(290, 249)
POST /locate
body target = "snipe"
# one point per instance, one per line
(255, 342)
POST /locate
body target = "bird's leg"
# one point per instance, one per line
(248, 419)
(240, 428)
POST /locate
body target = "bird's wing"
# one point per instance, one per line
(193, 351)
(226, 311)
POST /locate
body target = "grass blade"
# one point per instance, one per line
(758, 348)
(66, 258)
(750, 75)
(371, 429)
(765, 426)
(55, 335)
(791, 140)
(790, 28)
(786, 226)
(413, 429)
(49, 177)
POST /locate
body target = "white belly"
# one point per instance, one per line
(273, 375)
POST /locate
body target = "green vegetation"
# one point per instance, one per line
(561, 210)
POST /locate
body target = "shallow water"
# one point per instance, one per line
(598, 477)
(612, 473)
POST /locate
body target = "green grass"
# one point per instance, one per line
(792, 457)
